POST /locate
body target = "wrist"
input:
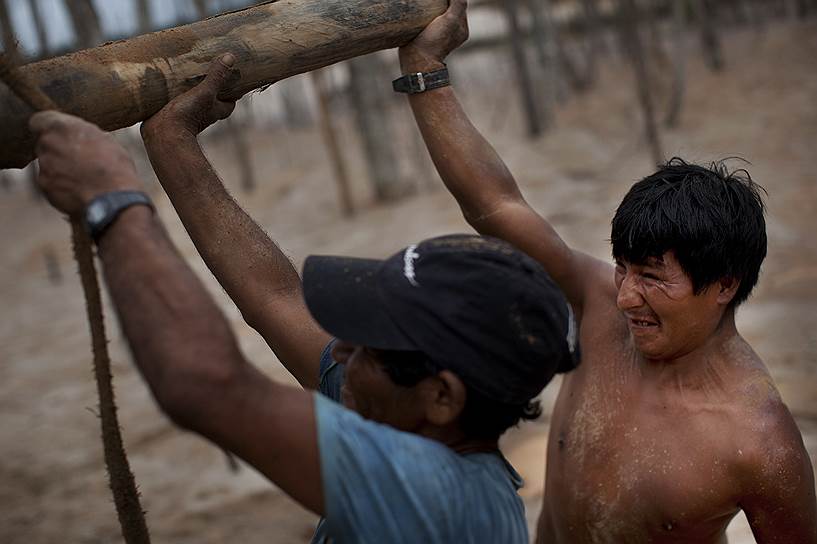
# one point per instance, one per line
(414, 60)
(124, 182)
(159, 133)
(106, 209)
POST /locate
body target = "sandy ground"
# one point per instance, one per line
(52, 484)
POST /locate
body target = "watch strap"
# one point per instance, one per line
(103, 210)
(420, 82)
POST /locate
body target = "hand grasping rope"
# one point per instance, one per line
(122, 483)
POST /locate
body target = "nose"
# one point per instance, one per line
(629, 293)
(341, 351)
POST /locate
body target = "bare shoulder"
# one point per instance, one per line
(772, 469)
(770, 458)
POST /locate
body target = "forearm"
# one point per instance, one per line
(486, 191)
(180, 340)
(467, 163)
(249, 265)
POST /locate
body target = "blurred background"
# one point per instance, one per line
(580, 97)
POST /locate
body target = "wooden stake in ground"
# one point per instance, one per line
(122, 483)
(122, 83)
(631, 40)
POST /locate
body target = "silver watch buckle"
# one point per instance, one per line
(421, 81)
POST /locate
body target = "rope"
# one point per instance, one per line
(121, 480)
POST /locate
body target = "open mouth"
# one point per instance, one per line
(641, 323)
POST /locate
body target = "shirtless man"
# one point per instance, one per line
(671, 424)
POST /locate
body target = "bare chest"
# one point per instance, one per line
(620, 469)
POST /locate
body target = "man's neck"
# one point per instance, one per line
(456, 440)
(701, 368)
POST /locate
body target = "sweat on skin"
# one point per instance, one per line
(677, 405)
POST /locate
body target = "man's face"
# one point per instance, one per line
(667, 320)
(369, 391)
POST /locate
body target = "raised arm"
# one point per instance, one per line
(249, 265)
(477, 177)
(181, 342)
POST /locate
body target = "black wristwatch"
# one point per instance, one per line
(104, 209)
(421, 82)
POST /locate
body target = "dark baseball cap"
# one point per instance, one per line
(471, 304)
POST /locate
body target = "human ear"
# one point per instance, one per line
(445, 399)
(727, 287)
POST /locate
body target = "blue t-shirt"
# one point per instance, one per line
(382, 485)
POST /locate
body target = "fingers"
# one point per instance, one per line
(220, 73)
(48, 121)
(457, 8)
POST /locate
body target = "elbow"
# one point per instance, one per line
(187, 397)
(256, 312)
(482, 215)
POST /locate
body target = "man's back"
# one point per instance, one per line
(642, 456)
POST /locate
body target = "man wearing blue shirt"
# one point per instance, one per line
(439, 349)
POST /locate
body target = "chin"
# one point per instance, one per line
(649, 349)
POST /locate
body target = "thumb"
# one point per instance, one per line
(46, 121)
(218, 75)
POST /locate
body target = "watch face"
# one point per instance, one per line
(96, 212)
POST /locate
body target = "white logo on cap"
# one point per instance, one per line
(409, 257)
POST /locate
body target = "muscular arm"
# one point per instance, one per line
(188, 356)
(779, 498)
(181, 342)
(477, 177)
(247, 263)
(488, 195)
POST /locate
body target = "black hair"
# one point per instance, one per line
(710, 218)
(482, 418)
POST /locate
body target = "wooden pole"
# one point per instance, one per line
(629, 27)
(331, 140)
(125, 82)
(122, 482)
(524, 79)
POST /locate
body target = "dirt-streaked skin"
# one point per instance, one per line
(672, 424)
(649, 453)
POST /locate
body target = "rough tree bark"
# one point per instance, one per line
(122, 83)
(523, 77)
(631, 40)
(85, 21)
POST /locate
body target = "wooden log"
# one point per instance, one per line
(122, 83)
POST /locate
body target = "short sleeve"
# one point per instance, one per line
(370, 476)
(331, 374)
